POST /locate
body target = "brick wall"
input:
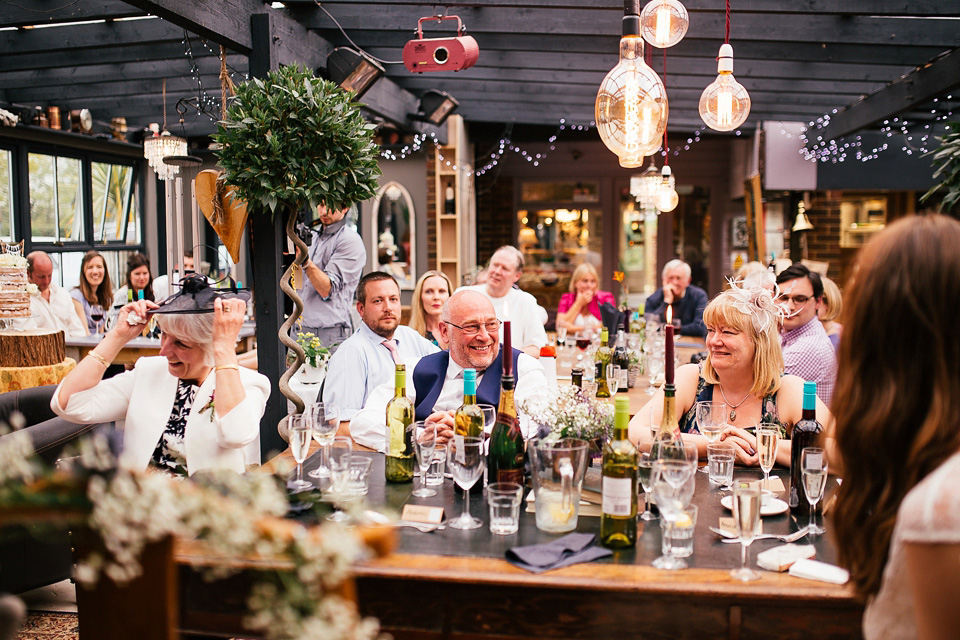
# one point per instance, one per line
(494, 214)
(431, 212)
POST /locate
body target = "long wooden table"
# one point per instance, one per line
(78, 347)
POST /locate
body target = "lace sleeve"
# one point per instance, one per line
(930, 513)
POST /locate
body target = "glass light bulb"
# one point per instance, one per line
(667, 197)
(663, 23)
(725, 103)
(631, 107)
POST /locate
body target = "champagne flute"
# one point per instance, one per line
(813, 464)
(341, 452)
(711, 418)
(768, 438)
(300, 437)
(325, 418)
(561, 335)
(425, 443)
(645, 474)
(746, 515)
(613, 378)
(466, 461)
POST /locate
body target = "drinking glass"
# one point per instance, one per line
(325, 419)
(613, 378)
(654, 367)
(466, 461)
(341, 452)
(504, 501)
(645, 473)
(768, 438)
(489, 416)
(711, 418)
(677, 534)
(720, 459)
(300, 437)
(669, 478)
(813, 464)
(561, 335)
(436, 469)
(746, 515)
(425, 439)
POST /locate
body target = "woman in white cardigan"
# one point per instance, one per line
(190, 408)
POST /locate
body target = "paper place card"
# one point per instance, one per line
(782, 557)
(422, 513)
(774, 484)
(730, 526)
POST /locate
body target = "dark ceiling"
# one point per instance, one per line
(539, 61)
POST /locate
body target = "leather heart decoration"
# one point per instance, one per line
(226, 213)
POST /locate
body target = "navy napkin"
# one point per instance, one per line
(572, 548)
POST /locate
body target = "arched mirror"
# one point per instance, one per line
(395, 237)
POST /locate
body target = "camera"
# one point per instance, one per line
(440, 54)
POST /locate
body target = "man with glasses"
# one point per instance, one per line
(470, 325)
(367, 358)
(807, 351)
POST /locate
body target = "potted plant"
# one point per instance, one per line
(947, 160)
(291, 141)
(315, 358)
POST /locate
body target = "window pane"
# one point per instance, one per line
(43, 209)
(68, 198)
(112, 200)
(56, 206)
(6, 195)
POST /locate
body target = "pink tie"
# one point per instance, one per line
(391, 346)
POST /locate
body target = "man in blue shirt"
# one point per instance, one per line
(688, 300)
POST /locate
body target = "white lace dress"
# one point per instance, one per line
(930, 513)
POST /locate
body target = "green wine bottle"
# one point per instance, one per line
(603, 391)
(668, 444)
(468, 419)
(618, 520)
(399, 460)
(505, 462)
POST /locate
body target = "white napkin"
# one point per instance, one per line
(816, 570)
(784, 556)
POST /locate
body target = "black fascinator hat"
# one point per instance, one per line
(197, 296)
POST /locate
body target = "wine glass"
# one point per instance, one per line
(96, 314)
(613, 378)
(583, 343)
(425, 443)
(489, 417)
(300, 437)
(341, 452)
(654, 367)
(645, 473)
(746, 516)
(813, 463)
(711, 418)
(465, 459)
(768, 438)
(669, 478)
(561, 335)
(325, 418)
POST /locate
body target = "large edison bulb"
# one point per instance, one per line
(631, 109)
(663, 23)
(667, 196)
(724, 104)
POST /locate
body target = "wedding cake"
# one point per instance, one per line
(14, 288)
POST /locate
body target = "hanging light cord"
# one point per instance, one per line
(666, 149)
(727, 15)
(164, 91)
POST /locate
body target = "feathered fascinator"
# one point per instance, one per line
(758, 303)
(197, 296)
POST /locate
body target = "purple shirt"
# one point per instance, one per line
(808, 353)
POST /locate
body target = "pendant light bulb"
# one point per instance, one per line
(667, 196)
(663, 23)
(725, 103)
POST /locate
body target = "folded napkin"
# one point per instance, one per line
(572, 548)
(816, 570)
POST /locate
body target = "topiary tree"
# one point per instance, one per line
(947, 160)
(290, 141)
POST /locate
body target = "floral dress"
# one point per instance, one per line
(769, 411)
(170, 455)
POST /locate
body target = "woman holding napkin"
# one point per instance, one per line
(190, 408)
(744, 370)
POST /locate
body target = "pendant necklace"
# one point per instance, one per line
(733, 408)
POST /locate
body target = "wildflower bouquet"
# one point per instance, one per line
(314, 353)
(568, 413)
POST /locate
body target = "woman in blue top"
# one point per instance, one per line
(94, 295)
(743, 369)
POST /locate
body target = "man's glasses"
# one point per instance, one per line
(471, 330)
(798, 300)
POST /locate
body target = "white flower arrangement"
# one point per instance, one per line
(568, 413)
(33, 289)
(226, 510)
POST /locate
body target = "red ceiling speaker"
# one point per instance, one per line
(440, 54)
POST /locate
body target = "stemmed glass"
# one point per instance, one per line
(645, 472)
(300, 437)
(489, 417)
(561, 335)
(768, 438)
(613, 378)
(746, 515)
(669, 478)
(325, 418)
(341, 452)
(654, 367)
(96, 314)
(583, 343)
(711, 418)
(465, 458)
(813, 464)
(425, 443)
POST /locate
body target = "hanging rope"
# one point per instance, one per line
(726, 38)
(226, 84)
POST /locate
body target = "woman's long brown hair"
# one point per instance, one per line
(898, 383)
(103, 294)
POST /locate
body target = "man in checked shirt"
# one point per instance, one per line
(807, 351)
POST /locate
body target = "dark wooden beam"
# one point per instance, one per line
(177, 70)
(922, 85)
(169, 52)
(42, 12)
(86, 36)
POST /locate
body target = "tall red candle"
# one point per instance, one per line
(507, 349)
(668, 349)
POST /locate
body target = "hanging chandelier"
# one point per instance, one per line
(161, 144)
(644, 186)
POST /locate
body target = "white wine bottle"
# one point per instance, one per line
(618, 520)
(399, 461)
(468, 420)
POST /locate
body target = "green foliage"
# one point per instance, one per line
(293, 139)
(946, 159)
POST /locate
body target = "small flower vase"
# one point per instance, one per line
(596, 449)
(308, 374)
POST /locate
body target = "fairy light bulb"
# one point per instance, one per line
(725, 103)
(631, 107)
(667, 196)
(663, 23)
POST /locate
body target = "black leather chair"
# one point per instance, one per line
(35, 556)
